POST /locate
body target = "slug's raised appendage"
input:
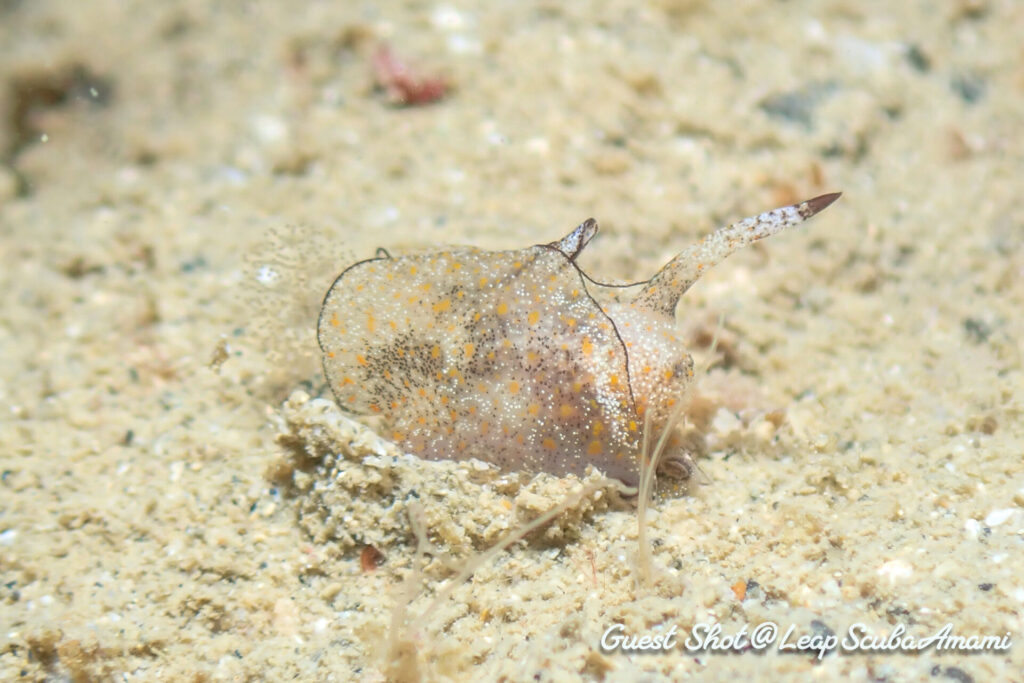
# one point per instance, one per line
(662, 292)
(572, 244)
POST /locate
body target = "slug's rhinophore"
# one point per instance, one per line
(504, 356)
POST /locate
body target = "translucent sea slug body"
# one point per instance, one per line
(504, 356)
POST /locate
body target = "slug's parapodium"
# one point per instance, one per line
(505, 356)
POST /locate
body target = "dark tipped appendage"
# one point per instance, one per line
(817, 205)
(662, 292)
(572, 244)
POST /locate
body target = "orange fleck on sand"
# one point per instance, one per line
(370, 558)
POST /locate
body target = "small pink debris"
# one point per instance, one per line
(402, 84)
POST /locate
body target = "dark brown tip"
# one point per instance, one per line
(818, 204)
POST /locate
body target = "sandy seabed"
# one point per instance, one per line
(181, 182)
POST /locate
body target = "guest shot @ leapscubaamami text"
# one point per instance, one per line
(817, 639)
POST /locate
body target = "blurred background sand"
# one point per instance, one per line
(180, 183)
